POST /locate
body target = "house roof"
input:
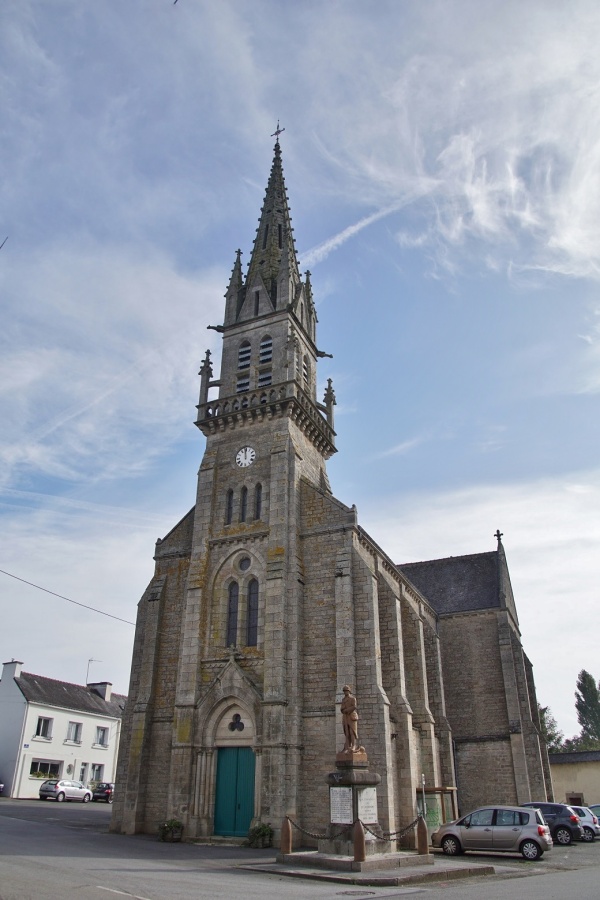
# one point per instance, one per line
(49, 692)
(577, 756)
(457, 583)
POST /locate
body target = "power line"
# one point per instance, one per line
(68, 599)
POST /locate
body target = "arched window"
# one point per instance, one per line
(232, 614)
(252, 620)
(266, 350)
(257, 501)
(229, 508)
(244, 355)
(306, 371)
(243, 504)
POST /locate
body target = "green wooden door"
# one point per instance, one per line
(234, 800)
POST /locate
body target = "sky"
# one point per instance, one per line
(442, 161)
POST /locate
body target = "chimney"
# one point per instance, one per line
(102, 688)
(11, 669)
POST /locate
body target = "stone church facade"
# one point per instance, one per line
(268, 598)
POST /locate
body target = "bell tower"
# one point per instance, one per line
(266, 435)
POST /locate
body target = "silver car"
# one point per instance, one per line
(64, 790)
(589, 823)
(513, 829)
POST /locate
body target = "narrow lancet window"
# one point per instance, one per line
(244, 355)
(280, 236)
(252, 620)
(266, 350)
(229, 508)
(265, 236)
(258, 501)
(232, 614)
(243, 504)
(256, 302)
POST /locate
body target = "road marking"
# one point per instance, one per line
(122, 893)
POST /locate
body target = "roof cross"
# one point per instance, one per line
(278, 131)
(498, 535)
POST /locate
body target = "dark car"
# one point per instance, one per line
(563, 821)
(104, 791)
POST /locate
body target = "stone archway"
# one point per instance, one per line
(228, 759)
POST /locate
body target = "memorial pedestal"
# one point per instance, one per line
(352, 796)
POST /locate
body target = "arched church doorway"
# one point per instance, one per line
(234, 795)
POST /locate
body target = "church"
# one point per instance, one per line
(268, 598)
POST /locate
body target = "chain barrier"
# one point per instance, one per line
(313, 834)
(387, 835)
(390, 834)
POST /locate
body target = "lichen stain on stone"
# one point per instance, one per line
(275, 553)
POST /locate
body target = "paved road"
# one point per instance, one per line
(51, 851)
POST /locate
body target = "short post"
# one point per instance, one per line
(422, 837)
(358, 836)
(286, 837)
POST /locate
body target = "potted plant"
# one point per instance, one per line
(260, 836)
(171, 830)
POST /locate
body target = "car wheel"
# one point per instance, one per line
(530, 850)
(588, 834)
(60, 797)
(563, 836)
(451, 846)
(86, 798)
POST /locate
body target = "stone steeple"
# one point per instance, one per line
(270, 356)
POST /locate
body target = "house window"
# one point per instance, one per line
(244, 355)
(252, 621)
(243, 383)
(83, 773)
(229, 508)
(97, 773)
(74, 732)
(102, 736)
(44, 728)
(42, 769)
(232, 614)
(243, 504)
(266, 350)
(265, 378)
(257, 501)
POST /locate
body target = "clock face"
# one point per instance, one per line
(245, 457)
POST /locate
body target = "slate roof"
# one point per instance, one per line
(49, 692)
(577, 756)
(457, 583)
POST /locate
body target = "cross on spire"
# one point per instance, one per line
(278, 131)
(498, 535)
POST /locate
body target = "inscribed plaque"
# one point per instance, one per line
(340, 805)
(367, 805)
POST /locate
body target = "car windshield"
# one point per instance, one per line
(102, 787)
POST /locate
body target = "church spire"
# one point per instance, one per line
(274, 243)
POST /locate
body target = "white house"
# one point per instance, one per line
(53, 729)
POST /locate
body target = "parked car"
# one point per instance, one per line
(64, 790)
(562, 820)
(595, 808)
(512, 829)
(104, 791)
(589, 823)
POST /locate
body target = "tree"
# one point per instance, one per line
(587, 703)
(550, 732)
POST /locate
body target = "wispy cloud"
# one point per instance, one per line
(400, 449)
